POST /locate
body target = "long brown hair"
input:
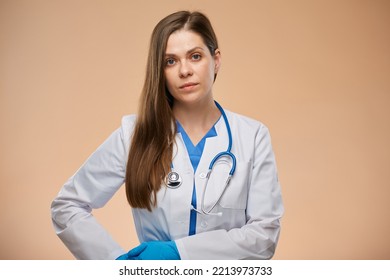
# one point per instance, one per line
(153, 138)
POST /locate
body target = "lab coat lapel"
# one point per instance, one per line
(213, 146)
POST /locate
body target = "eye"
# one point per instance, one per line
(170, 62)
(196, 56)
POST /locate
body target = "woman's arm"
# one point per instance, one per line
(92, 186)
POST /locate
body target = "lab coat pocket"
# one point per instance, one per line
(235, 194)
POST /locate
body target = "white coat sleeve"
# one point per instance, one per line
(92, 186)
(258, 238)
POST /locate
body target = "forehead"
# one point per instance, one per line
(182, 40)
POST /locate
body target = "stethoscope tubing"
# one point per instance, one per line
(226, 153)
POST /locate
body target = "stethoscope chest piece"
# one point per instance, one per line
(173, 180)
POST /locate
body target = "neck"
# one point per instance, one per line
(197, 119)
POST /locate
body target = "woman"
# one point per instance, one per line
(180, 209)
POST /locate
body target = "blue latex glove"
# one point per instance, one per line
(153, 250)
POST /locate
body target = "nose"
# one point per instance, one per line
(185, 69)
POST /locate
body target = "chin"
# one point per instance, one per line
(191, 100)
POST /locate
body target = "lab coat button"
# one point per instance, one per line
(202, 175)
(204, 224)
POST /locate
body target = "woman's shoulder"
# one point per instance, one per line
(128, 120)
(244, 122)
(127, 127)
(248, 129)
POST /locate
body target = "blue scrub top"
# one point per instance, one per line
(195, 153)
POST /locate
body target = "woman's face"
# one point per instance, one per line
(190, 68)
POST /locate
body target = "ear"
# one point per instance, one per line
(217, 60)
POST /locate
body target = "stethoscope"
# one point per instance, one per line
(174, 180)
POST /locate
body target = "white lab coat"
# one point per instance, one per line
(251, 205)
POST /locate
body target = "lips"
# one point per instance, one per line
(188, 85)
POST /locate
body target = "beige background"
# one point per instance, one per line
(315, 72)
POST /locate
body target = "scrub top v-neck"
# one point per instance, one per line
(195, 154)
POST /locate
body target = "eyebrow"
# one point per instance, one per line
(189, 51)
